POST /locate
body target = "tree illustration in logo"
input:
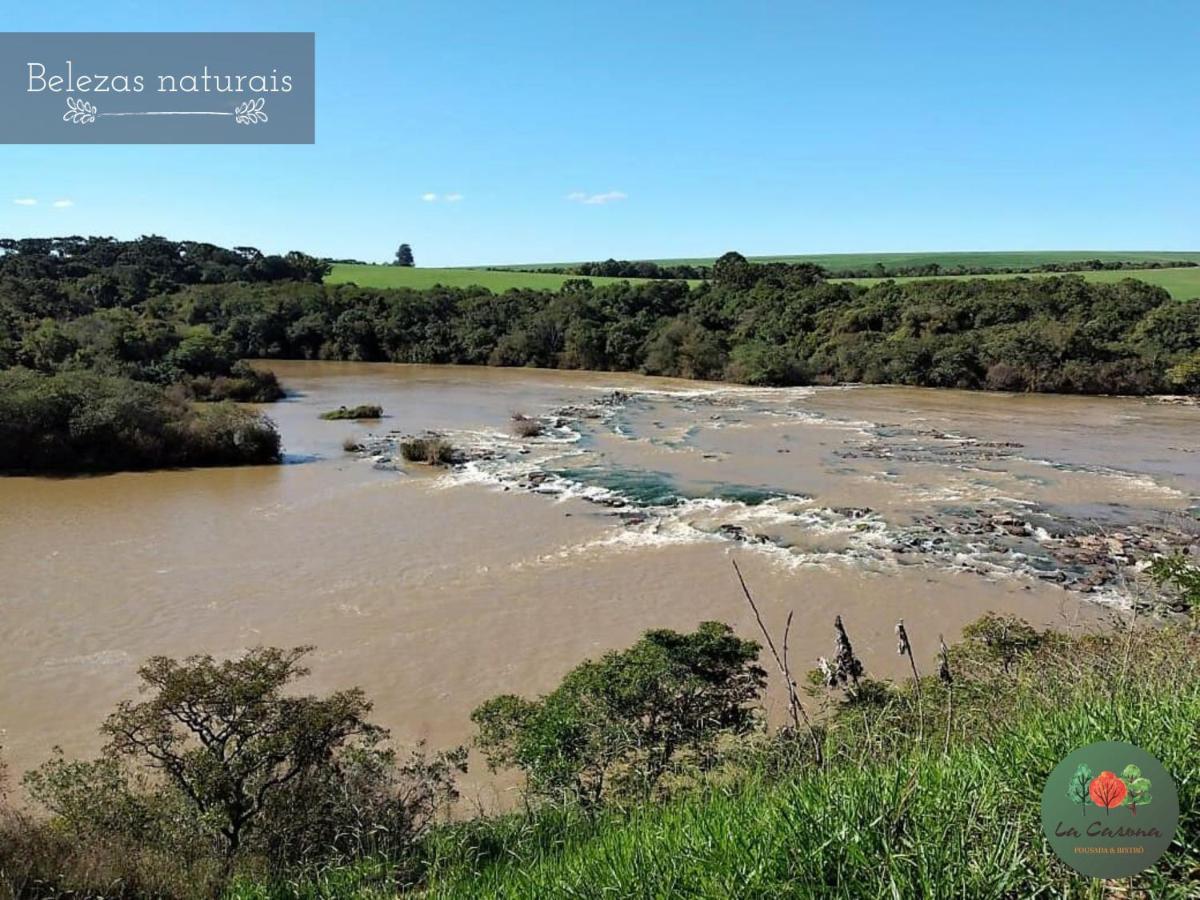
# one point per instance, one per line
(1107, 791)
(1138, 788)
(1077, 788)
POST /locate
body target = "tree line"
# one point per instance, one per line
(92, 377)
(181, 317)
(773, 324)
(624, 268)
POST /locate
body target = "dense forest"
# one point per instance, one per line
(91, 379)
(92, 329)
(757, 324)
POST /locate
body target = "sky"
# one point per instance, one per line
(486, 133)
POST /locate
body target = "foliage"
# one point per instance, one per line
(404, 256)
(228, 737)
(217, 744)
(754, 323)
(1004, 638)
(80, 421)
(1186, 374)
(524, 426)
(1139, 788)
(431, 450)
(956, 815)
(362, 411)
(1178, 576)
(1077, 789)
(617, 725)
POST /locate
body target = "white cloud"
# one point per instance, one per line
(452, 198)
(25, 201)
(596, 199)
(63, 204)
(429, 198)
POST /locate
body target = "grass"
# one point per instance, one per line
(419, 279)
(363, 411)
(1009, 259)
(955, 813)
(1182, 283)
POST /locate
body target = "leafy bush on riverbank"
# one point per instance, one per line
(923, 789)
(80, 421)
(929, 795)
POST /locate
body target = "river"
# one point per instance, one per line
(436, 589)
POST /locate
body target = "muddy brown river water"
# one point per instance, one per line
(436, 589)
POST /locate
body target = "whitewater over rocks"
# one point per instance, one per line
(617, 452)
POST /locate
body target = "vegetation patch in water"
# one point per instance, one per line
(363, 411)
(524, 426)
(429, 449)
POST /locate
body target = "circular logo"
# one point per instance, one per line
(1109, 810)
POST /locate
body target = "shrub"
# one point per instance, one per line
(224, 769)
(431, 450)
(524, 426)
(619, 724)
(243, 384)
(227, 736)
(364, 411)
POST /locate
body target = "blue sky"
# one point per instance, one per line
(694, 128)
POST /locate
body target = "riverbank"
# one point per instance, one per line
(929, 788)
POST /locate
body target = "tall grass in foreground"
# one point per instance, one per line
(955, 814)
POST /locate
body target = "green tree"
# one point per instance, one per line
(733, 270)
(619, 723)
(228, 737)
(1139, 788)
(404, 256)
(1077, 788)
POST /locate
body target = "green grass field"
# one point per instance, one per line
(1007, 259)
(404, 277)
(1182, 283)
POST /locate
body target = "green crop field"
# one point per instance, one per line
(1006, 259)
(406, 277)
(1183, 283)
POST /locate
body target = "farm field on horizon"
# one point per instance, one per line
(993, 258)
(1182, 283)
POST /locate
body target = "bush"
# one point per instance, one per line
(431, 450)
(619, 724)
(524, 426)
(79, 421)
(243, 384)
(364, 411)
(223, 768)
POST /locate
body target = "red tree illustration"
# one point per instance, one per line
(1107, 790)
